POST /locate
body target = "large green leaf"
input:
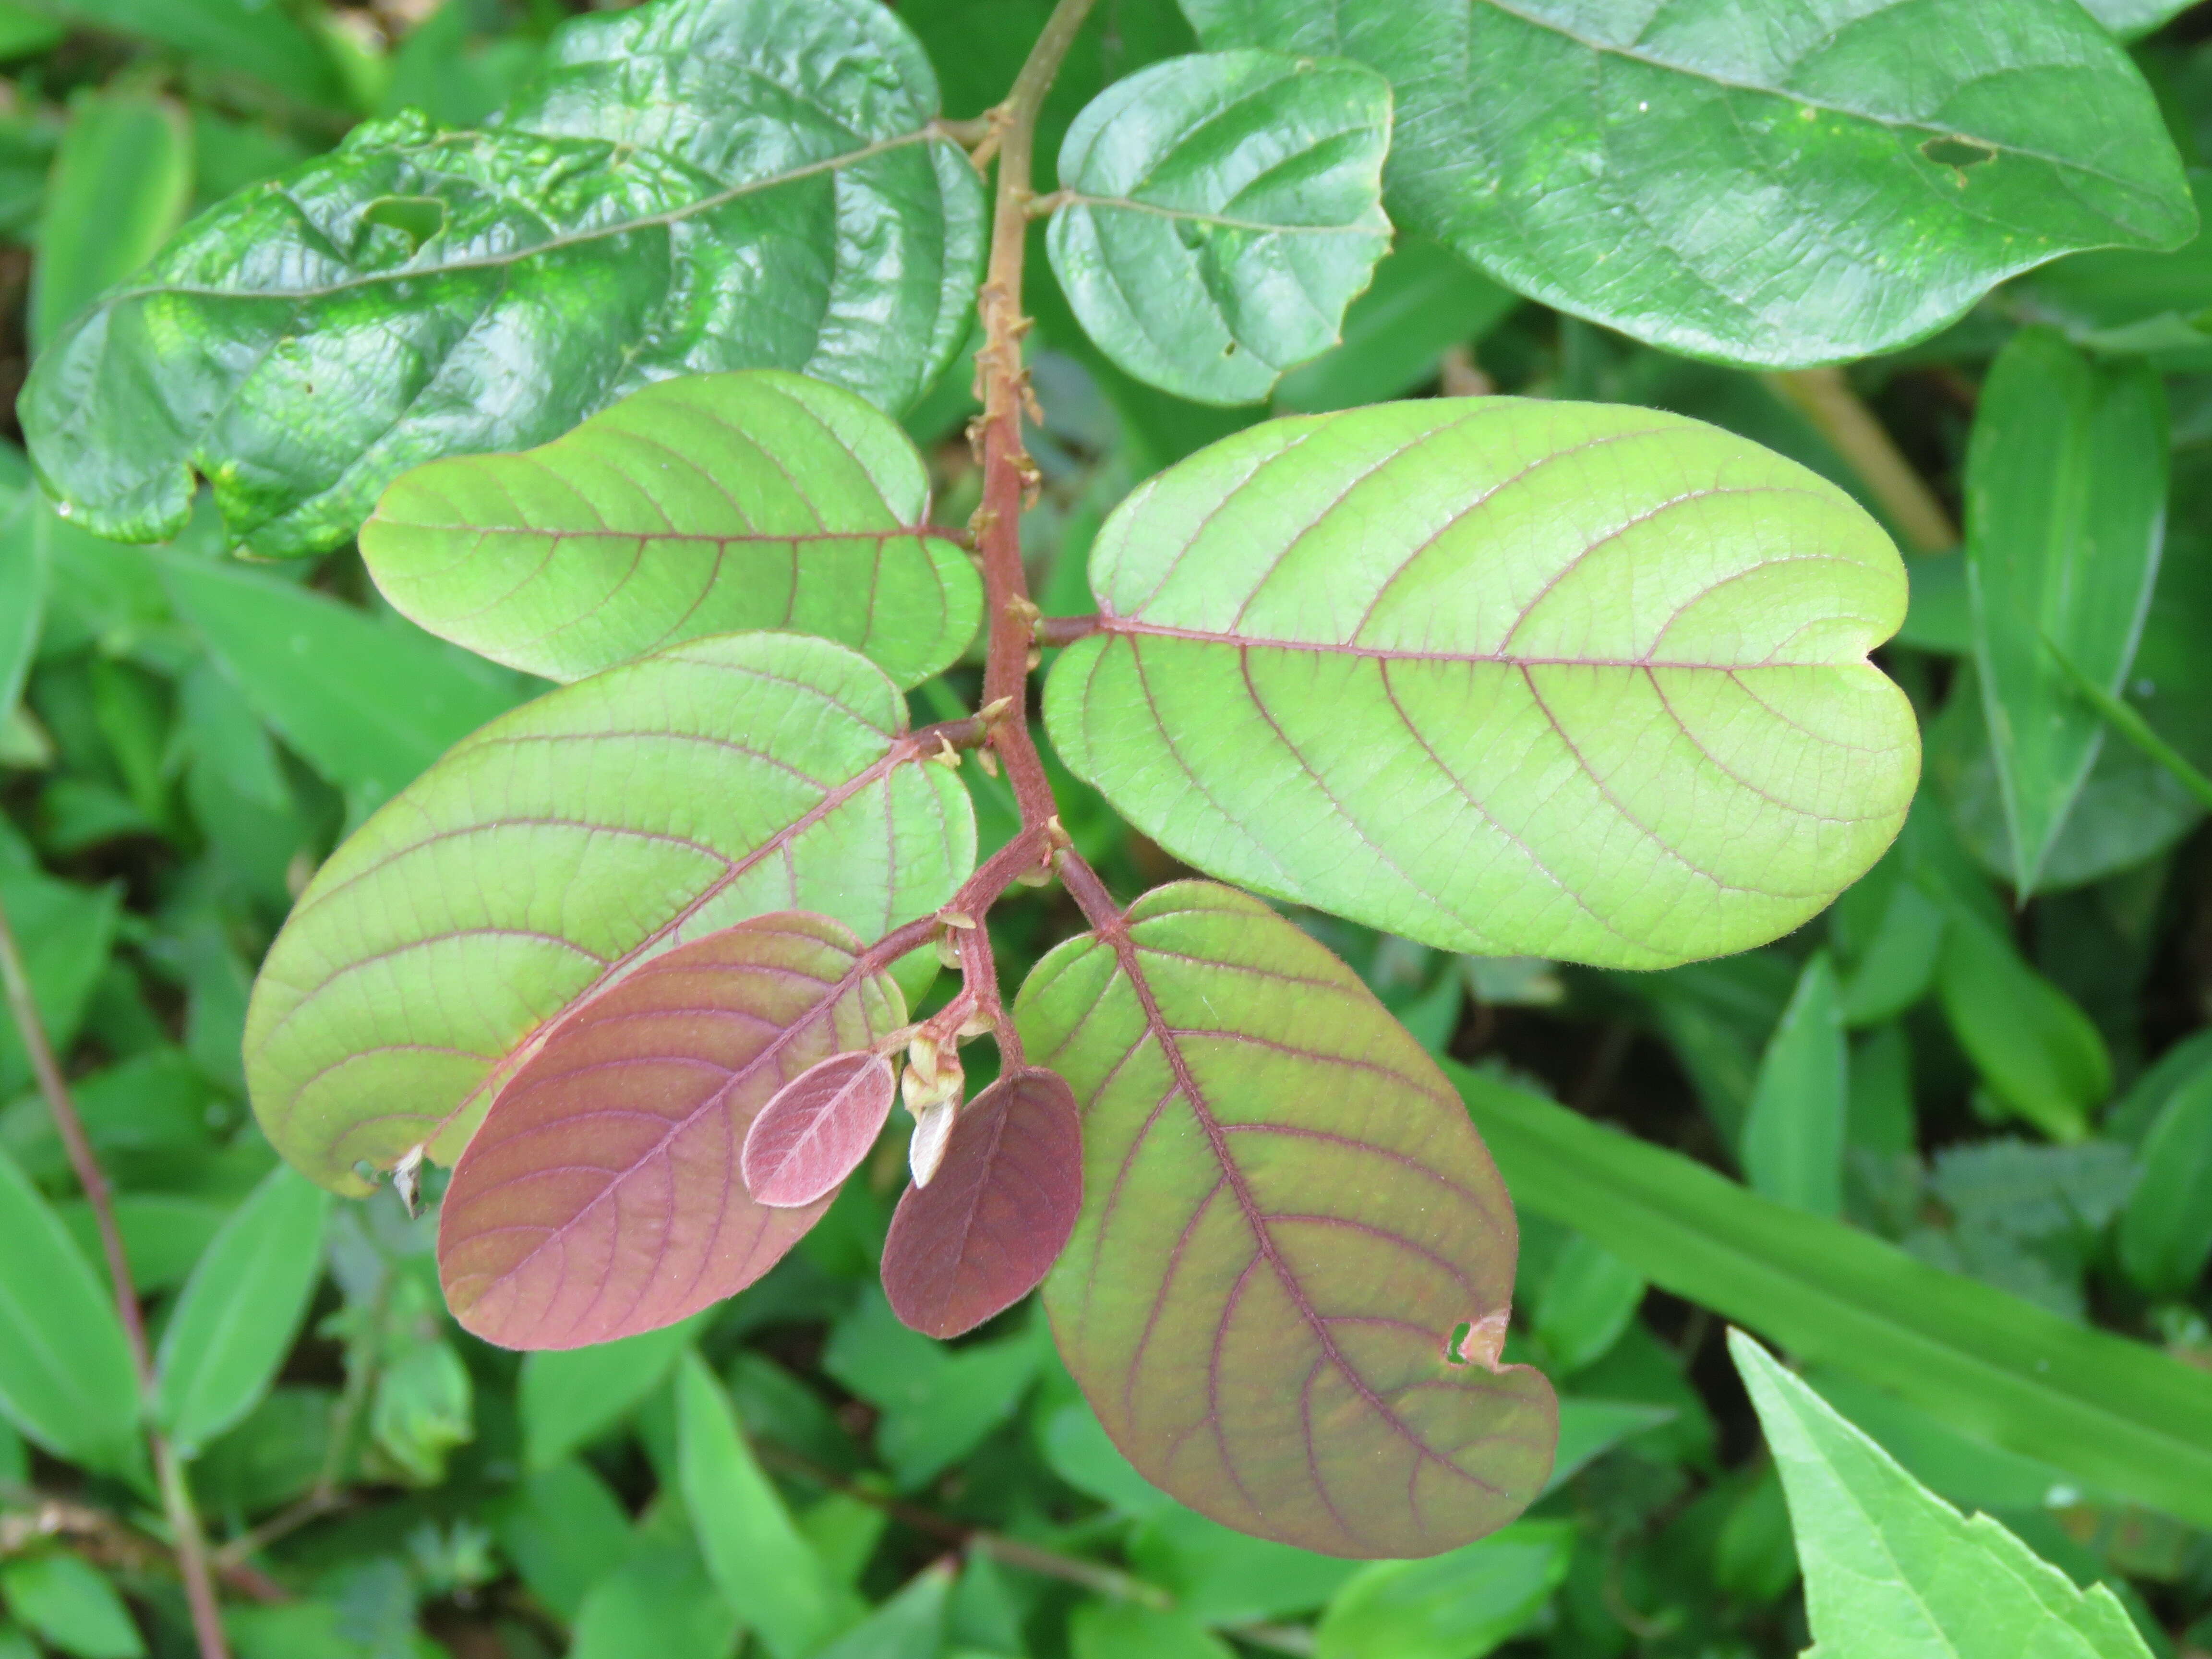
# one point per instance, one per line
(1226, 208)
(1891, 1571)
(1288, 1233)
(1519, 679)
(694, 186)
(1843, 177)
(2066, 485)
(66, 1378)
(240, 1310)
(704, 505)
(2120, 1415)
(562, 845)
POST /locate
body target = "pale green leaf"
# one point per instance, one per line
(1840, 180)
(1513, 677)
(2066, 487)
(1222, 210)
(600, 825)
(1891, 1571)
(1793, 1137)
(705, 505)
(240, 1310)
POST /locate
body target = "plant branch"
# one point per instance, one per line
(1824, 396)
(1009, 475)
(187, 1538)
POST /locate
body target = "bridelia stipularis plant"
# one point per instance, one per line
(606, 390)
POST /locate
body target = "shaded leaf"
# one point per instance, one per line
(771, 1578)
(938, 1404)
(569, 1397)
(2066, 487)
(996, 1215)
(1587, 1300)
(1220, 1576)
(1510, 678)
(1288, 1231)
(660, 1601)
(2117, 1414)
(1892, 1570)
(2166, 1230)
(122, 179)
(1843, 180)
(66, 1378)
(1793, 1137)
(1424, 300)
(2040, 1054)
(601, 1197)
(704, 505)
(564, 845)
(691, 186)
(1459, 1606)
(225, 34)
(22, 592)
(815, 1129)
(240, 1310)
(1226, 208)
(564, 1529)
(908, 1625)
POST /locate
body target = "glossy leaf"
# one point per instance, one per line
(66, 1379)
(122, 180)
(2040, 1054)
(771, 1578)
(1285, 1293)
(1891, 1570)
(1793, 1137)
(704, 505)
(1508, 677)
(569, 1397)
(561, 846)
(2166, 1230)
(997, 1213)
(815, 1130)
(1223, 210)
(1839, 181)
(691, 186)
(1459, 1606)
(2115, 1414)
(602, 1197)
(2066, 487)
(240, 1310)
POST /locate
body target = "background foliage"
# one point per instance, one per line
(1950, 1143)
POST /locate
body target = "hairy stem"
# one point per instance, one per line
(187, 1538)
(1009, 475)
(1825, 397)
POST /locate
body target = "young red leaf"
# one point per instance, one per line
(998, 1211)
(1287, 1292)
(816, 1130)
(602, 1197)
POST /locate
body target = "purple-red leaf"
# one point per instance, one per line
(816, 1130)
(997, 1213)
(602, 1196)
(1287, 1288)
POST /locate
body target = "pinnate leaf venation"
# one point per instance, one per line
(1289, 1227)
(816, 1128)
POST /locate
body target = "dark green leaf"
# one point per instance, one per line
(1834, 183)
(938, 1405)
(121, 182)
(695, 186)
(2038, 1051)
(2166, 1230)
(1224, 208)
(564, 1531)
(705, 505)
(1793, 1137)
(2116, 1414)
(1587, 1299)
(2066, 486)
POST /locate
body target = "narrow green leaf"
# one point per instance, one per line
(67, 933)
(121, 182)
(689, 186)
(2066, 484)
(66, 1379)
(771, 1579)
(2166, 1230)
(240, 1310)
(2116, 1413)
(253, 38)
(22, 593)
(569, 1397)
(1793, 1139)
(2123, 718)
(303, 660)
(68, 1603)
(1894, 1571)
(1458, 1606)
(1313, 1357)
(2040, 1054)
(704, 505)
(1222, 210)
(1507, 677)
(565, 843)
(1552, 142)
